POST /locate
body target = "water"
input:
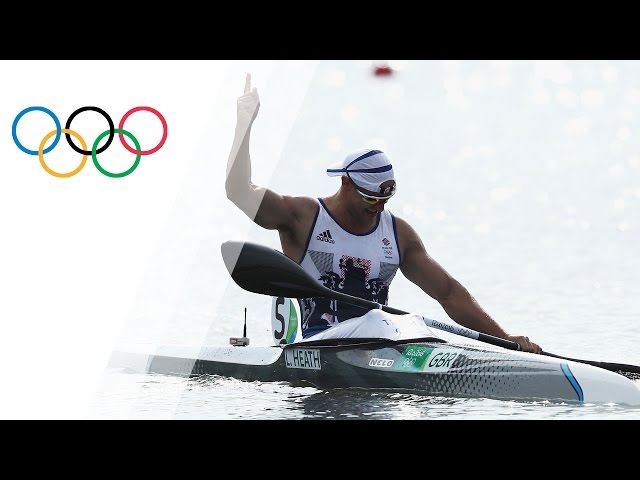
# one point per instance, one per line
(127, 395)
(522, 179)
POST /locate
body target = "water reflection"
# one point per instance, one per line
(366, 404)
(151, 396)
(256, 400)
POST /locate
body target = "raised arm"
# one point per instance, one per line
(435, 281)
(265, 207)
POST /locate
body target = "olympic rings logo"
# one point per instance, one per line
(94, 149)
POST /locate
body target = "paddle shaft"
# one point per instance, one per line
(455, 329)
(465, 332)
(631, 371)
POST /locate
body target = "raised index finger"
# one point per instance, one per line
(247, 84)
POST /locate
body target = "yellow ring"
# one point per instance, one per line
(53, 172)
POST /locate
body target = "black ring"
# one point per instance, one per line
(101, 112)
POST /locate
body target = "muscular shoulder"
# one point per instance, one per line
(302, 208)
(294, 232)
(300, 213)
(407, 236)
(405, 230)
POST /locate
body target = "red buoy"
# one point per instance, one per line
(383, 69)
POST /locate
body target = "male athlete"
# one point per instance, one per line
(348, 241)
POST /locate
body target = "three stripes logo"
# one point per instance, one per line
(325, 237)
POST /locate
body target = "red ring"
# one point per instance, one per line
(164, 130)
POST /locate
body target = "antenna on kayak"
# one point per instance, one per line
(244, 340)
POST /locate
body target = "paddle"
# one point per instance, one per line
(267, 271)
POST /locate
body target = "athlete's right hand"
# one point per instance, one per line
(248, 103)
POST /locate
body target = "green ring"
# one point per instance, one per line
(94, 156)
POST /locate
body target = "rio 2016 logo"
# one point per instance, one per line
(94, 149)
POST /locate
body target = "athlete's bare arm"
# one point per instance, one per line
(420, 268)
(291, 216)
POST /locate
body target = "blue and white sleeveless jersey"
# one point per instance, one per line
(361, 265)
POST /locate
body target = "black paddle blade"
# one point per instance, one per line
(267, 271)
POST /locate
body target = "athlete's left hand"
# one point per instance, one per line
(526, 345)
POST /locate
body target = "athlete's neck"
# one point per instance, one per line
(350, 218)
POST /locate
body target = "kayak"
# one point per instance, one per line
(426, 366)
(362, 354)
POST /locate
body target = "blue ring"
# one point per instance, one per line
(15, 126)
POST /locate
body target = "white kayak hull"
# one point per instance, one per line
(427, 366)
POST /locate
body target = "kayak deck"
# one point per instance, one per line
(429, 366)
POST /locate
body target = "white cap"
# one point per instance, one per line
(367, 168)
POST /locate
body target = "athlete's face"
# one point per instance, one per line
(372, 203)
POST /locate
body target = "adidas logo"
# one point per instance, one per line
(325, 237)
